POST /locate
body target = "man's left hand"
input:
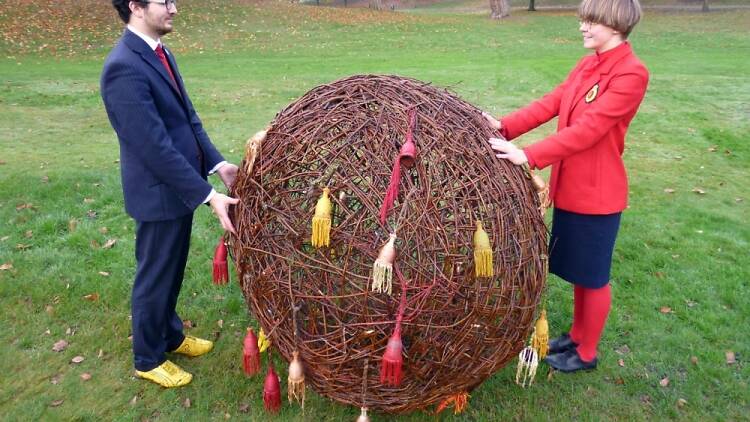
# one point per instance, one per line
(227, 173)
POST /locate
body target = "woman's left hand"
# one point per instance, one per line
(508, 151)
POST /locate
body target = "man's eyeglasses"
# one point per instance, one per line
(165, 3)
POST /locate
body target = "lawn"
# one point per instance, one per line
(681, 285)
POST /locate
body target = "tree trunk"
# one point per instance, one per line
(531, 6)
(500, 9)
(705, 6)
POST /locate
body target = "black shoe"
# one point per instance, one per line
(561, 344)
(569, 361)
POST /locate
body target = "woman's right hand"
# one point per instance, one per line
(494, 123)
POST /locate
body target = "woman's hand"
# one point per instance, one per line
(508, 151)
(494, 123)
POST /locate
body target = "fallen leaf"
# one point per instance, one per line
(6, 266)
(134, 400)
(665, 310)
(28, 233)
(623, 350)
(659, 274)
(694, 360)
(88, 200)
(91, 214)
(220, 323)
(699, 191)
(664, 382)
(712, 148)
(619, 381)
(187, 324)
(77, 359)
(646, 399)
(4, 238)
(94, 244)
(55, 379)
(72, 225)
(103, 230)
(681, 402)
(621, 362)
(227, 416)
(730, 357)
(56, 403)
(668, 190)
(45, 179)
(100, 354)
(244, 407)
(104, 273)
(186, 403)
(2, 162)
(59, 346)
(109, 243)
(737, 199)
(47, 332)
(22, 246)
(93, 297)
(25, 206)
(85, 376)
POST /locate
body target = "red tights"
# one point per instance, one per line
(590, 310)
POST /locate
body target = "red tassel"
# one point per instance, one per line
(390, 369)
(251, 353)
(407, 156)
(272, 391)
(221, 270)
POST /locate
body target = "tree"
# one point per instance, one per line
(705, 6)
(500, 9)
(531, 6)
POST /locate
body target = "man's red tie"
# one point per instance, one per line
(160, 54)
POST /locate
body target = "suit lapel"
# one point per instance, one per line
(176, 72)
(149, 56)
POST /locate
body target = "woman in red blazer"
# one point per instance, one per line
(588, 183)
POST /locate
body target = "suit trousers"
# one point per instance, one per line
(161, 251)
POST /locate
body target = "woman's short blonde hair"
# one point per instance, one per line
(621, 15)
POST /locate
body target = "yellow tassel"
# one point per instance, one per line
(528, 361)
(296, 380)
(482, 253)
(459, 402)
(321, 223)
(542, 190)
(540, 338)
(382, 269)
(263, 342)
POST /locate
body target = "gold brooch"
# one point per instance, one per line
(591, 95)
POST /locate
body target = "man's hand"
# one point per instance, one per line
(220, 204)
(494, 123)
(227, 173)
(508, 151)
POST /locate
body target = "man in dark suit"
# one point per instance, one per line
(165, 158)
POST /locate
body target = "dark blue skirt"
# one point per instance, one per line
(581, 245)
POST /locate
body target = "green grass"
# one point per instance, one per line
(244, 61)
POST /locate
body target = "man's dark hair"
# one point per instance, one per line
(123, 8)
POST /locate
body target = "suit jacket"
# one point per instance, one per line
(165, 154)
(595, 105)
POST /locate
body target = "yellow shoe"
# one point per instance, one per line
(194, 346)
(167, 375)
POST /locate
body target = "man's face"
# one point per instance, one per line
(157, 16)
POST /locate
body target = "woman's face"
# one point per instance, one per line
(598, 37)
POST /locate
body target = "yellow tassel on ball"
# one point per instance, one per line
(382, 269)
(482, 253)
(540, 339)
(263, 342)
(321, 222)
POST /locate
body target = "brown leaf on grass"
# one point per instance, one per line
(100, 354)
(28, 234)
(2, 162)
(93, 297)
(4, 238)
(91, 214)
(619, 381)
(72, 224)
(187, 324)
(220, 323)
(85, 376)
(646, 399)
(665, 310)
(664, 382)
(109, 243)
(22, 246)
(731, 359)
(77, 359)
(103, 230)
(134, 400)
(712, 148)
(45, 179)
(59, 346)
(738, 200)
(659, 274)
(94, 244)
(621, 362)
(699, 191)
(6, 266)
(690, 303)
(623, 350)
(88, 200)
(668, 190)
(56, 403)
(681, 402)
(25, 206)
(694, 360)
(186, 403)
(55, 379)
(244, 407)
(104, 273)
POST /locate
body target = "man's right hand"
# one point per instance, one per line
(220, 204)
(494, 123)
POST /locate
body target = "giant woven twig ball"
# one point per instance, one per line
(457, 328)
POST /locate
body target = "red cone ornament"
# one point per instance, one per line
(251, 353)
(390, 369)
(221, 270)
(272, 391)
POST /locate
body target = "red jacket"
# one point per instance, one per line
(595, 105)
